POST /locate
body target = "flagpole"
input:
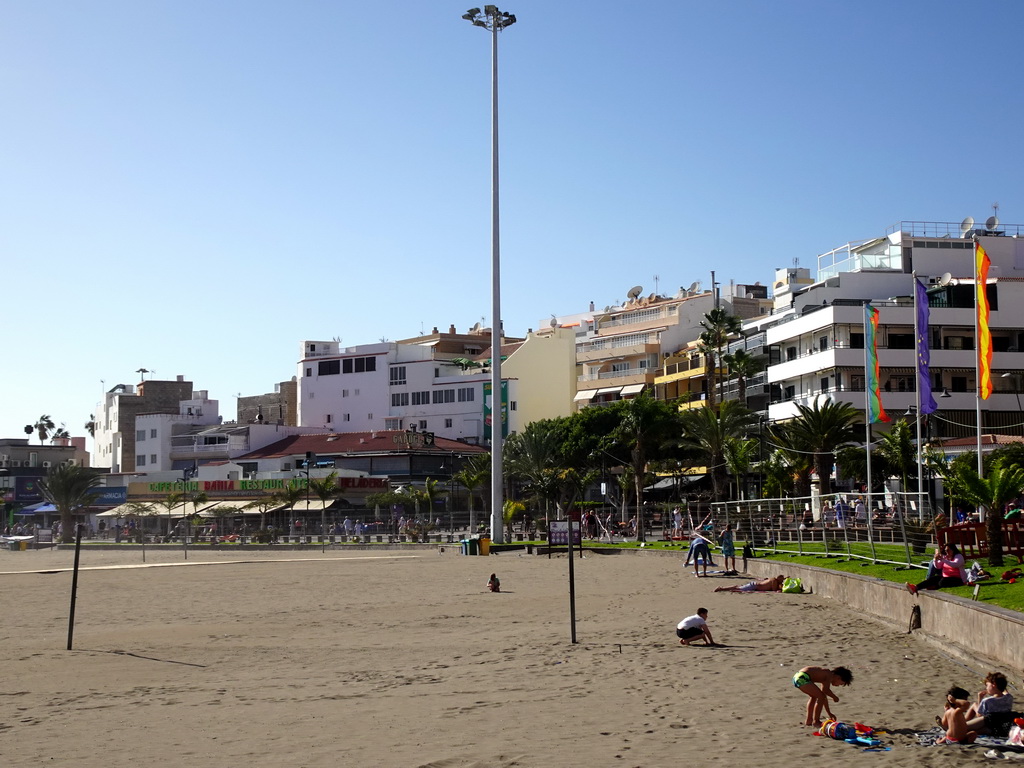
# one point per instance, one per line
(868, 341)
(977, 361)
(917, 392)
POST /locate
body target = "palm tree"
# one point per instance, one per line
(42, 428)
(433, 491)
(794, 456)
(718, 326)
(742, 365)
(1000, 486)
(707, 433)
(739, 457)
(286, 498)
(898, 454)
(475, 473)
(90, 426)
(69, 487)
(533, 456)
(821, 429)
(508, 513)
(325, 489)
(60, 433)
(645, 427)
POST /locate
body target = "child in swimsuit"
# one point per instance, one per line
(809, 678)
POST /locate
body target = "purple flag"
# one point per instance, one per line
(924, 381)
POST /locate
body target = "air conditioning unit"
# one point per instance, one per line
(5, 457)
(71, 462)
(15, 463)
(46, 465)
(4, 462)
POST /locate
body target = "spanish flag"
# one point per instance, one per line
(981, 265)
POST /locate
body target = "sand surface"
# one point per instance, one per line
(404, 659)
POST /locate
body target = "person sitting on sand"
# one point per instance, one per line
(693, 627)
(809, 678)
(993, 714)
(773, 584)
(493, 584)
(954, 720)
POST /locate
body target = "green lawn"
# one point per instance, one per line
(993, 591)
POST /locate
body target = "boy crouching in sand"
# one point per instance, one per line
(809, 678)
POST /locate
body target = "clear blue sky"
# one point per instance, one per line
(195, 187)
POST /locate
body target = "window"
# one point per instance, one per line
(140, 460)
(344, 393)
(396, 376)
(398, 399)
(789, 392)
(901, 341)
(346, 416)
(823, 343)
(140, 435)
(152, 434)
(328, 367)
(444, 396)
(152, 458)
(421, 398)
(447, 423)
(392, 424)
(358, 364)
(824, 384)
(856, 341)
(329, 418)
(423, 424)
(309, 371)
(791, 353)
(465, 394)
(512, 405)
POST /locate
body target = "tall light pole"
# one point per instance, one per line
(494, 21)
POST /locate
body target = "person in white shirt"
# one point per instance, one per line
(693, 627)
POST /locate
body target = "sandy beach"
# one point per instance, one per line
(404, 659)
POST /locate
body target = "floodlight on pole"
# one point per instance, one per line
(495, 21)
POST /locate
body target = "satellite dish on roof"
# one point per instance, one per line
(553, 322)
(966, 225)
(652, 297)
(991, 223)
(635, 291)
(946, 279)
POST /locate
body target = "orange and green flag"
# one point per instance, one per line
(874, 400)
(981, 266)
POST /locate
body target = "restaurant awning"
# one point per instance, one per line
(154, 509)
(585, 394)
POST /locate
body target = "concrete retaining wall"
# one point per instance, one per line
(982, 630)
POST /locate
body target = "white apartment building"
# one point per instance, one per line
(434, 383)
(621, 351)
(819, 338)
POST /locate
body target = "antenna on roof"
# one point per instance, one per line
(993, 221)
(656, 279)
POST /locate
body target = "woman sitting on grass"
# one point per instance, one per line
(947, 571)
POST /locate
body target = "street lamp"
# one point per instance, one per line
(186, 473)
(494, 21)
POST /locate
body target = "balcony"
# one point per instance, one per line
(616, 378)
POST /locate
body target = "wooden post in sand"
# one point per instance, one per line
(74, 585)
